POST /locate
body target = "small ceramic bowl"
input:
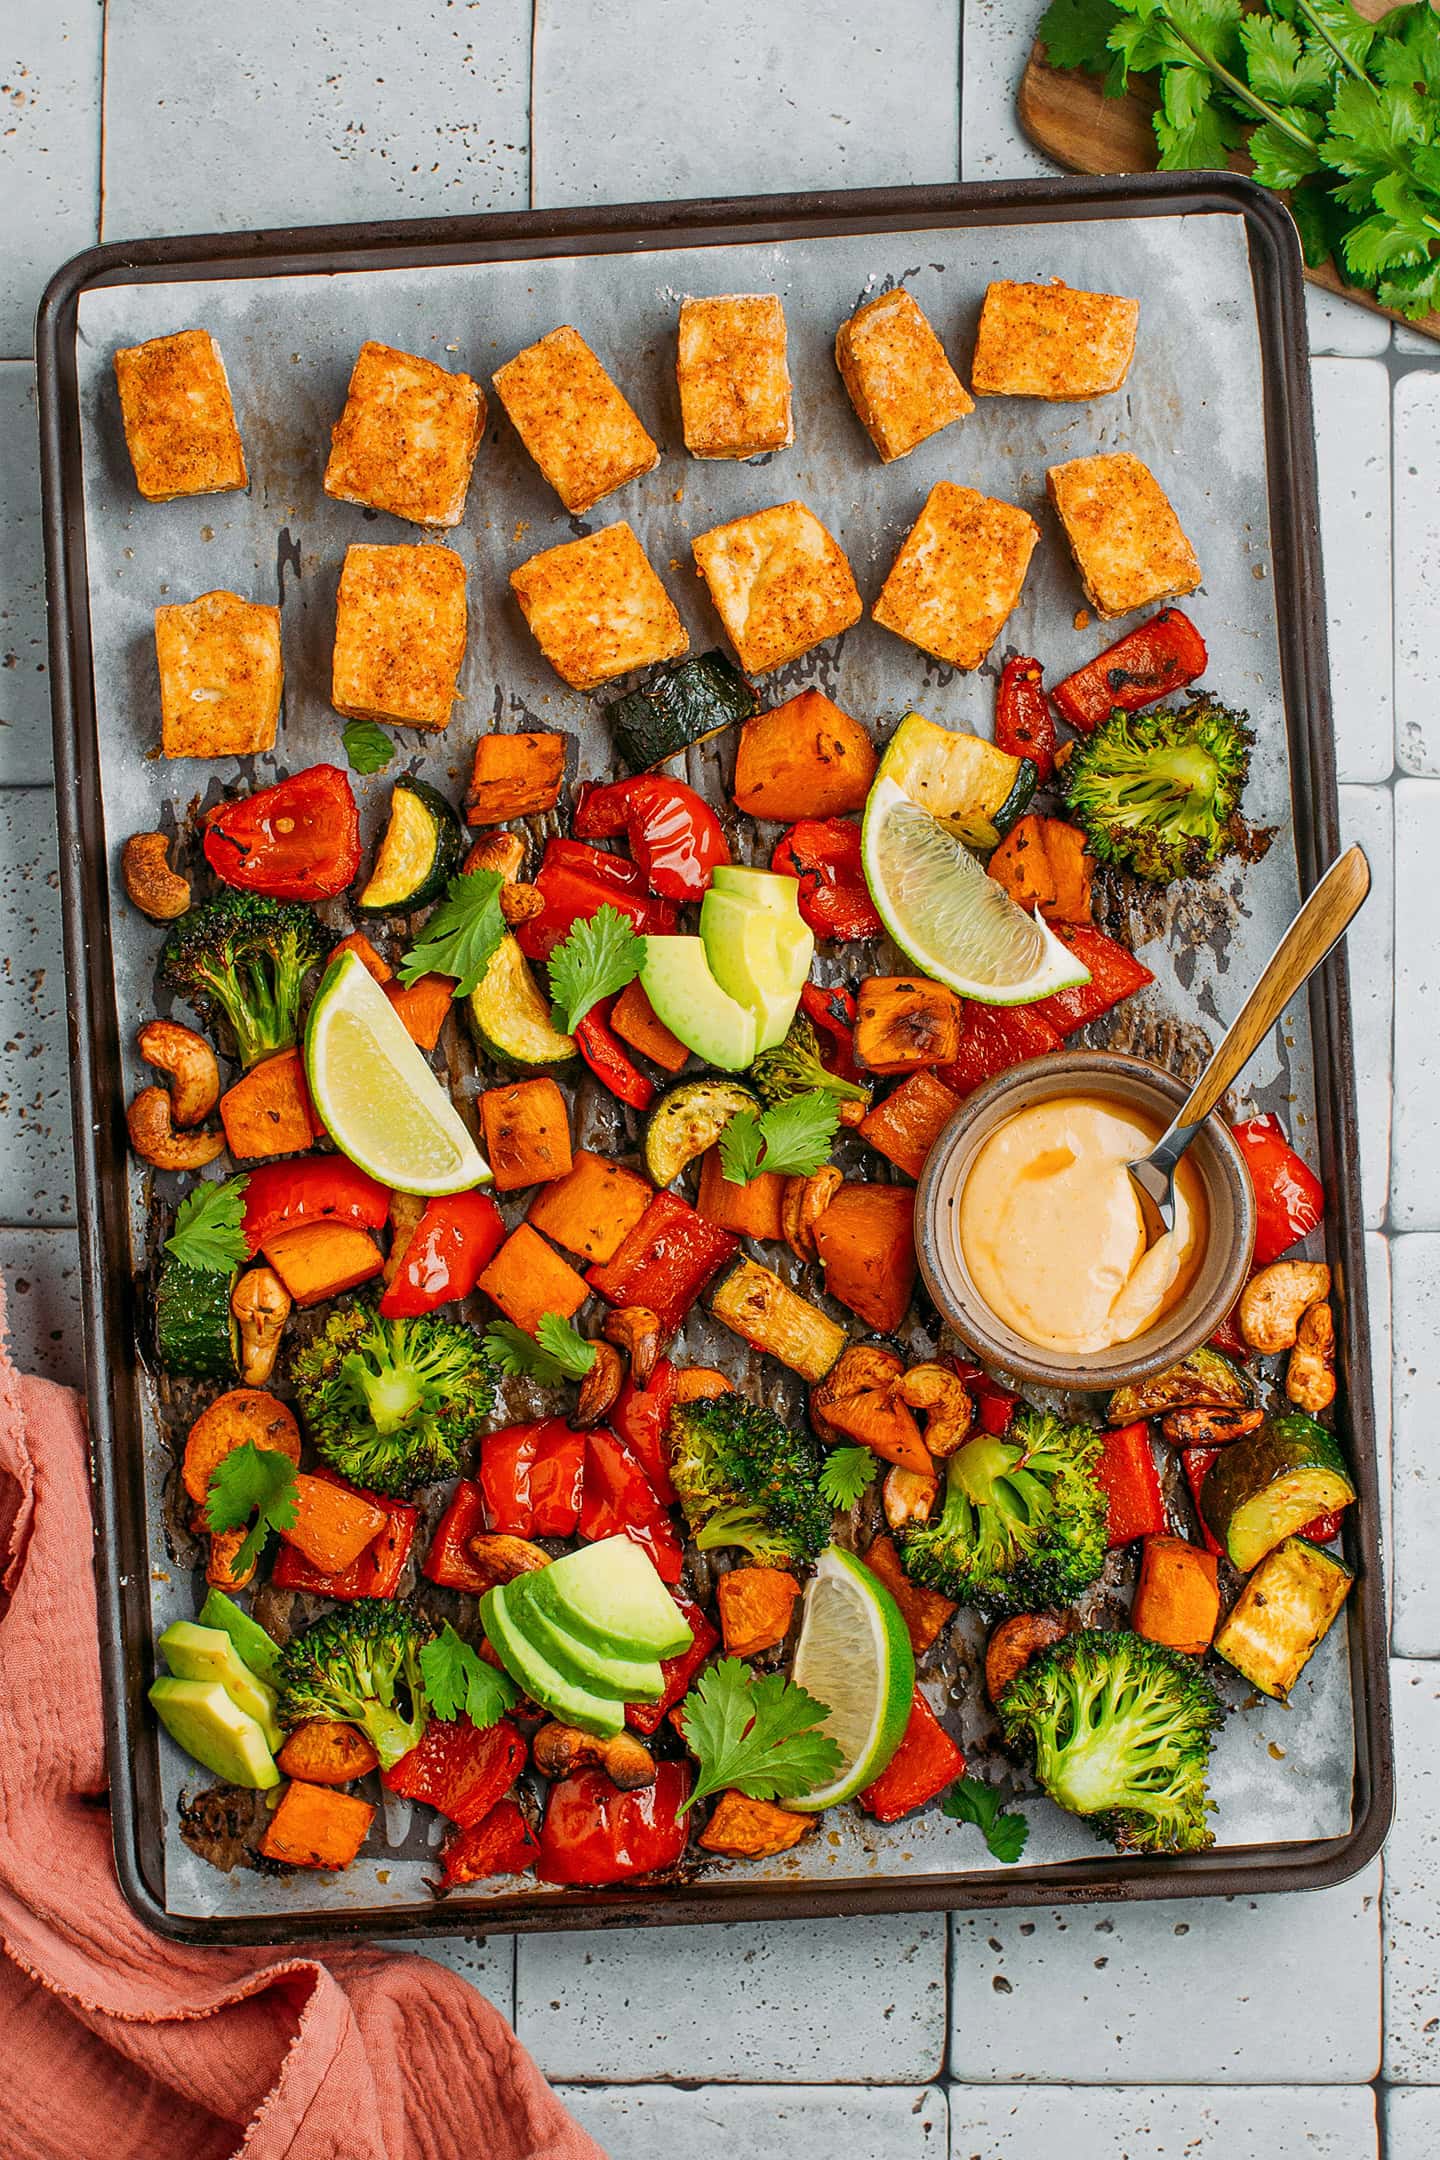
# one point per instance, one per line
(1194, 1317)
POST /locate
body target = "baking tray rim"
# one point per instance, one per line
(105, 1261)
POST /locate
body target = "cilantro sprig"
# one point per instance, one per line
(972, 1800)
(848, 1472)
(368, 749)
(462, 936)
(460, 1683)
(250, 1481)
(792, 1138)
(599, 957)
(759, 1734)
(209, 1227)
(555, 1352)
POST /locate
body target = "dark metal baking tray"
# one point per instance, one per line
(123, 1558)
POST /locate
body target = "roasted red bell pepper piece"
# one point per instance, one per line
(824, 854)
(664, 1262)
(1024, 723)
(832, 1014)
(1324, 1528)
(379, 1568)
(530, 1476)
(459, 1768)
(456, 1237)
(594, 1833)
(618, 1500)
(1146, 664)
(1195, 1462)
(506, 1458)
(926, 1761)
(501, 1843)
(298, 840)
(994, 1405)
(319, 1188)
(1127, 1475)
(1115, 973)
(641, 1417)
(674, 835)
(609, 1060)
(575, 882)
(1227, 1336)
(679, 1671)
(449, 1560)
(1289, 1198)
(993, 1038)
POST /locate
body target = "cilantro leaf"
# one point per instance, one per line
(1279, 160)
(1075, 34)
(462, 936)
(848, 1472)
(1279, 67)
(209, 1229)
(742, 1143)
(460, 1683)
(555, 1352)
(972, 1800)
(565, 1346)
(1414, 292)
(792, 1138)
(368, 749)
(250, 1481)
(598, 958)
(759, 1734)
(1200, 142)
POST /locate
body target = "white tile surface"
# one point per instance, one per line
(1367, 815)
(993, 145)
(1412, 1867)
(36, 1175)
(844, 2001)
(1147, 2122)
(1412, 2123)
(1415, 1266)
(1414, 1157)
(752, 98)
(1378, 1291)
(24, 666)
(1343, 326)
(1246, 1991)
(49, 151)
(1352, 443)
(41, 1270)
(1417, 571)
(1415, 344)
(331, 111)
(798, 2122)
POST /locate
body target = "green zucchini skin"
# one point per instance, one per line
(1018, 801)
(195, 1330)
(687, 1120)
(396, 888)
(1205, 1378)
(509, 1017)
(681, 703)
(1269, 1484)
(1283, 1615)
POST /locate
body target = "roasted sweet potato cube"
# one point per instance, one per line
(179, 420)
(322, 1751)
(905, 1021)
(317, 1260)
(925, 1612)
(803, 759)
(1042, 864)
(866, 1243)
(635, 1021)
(755, 1607)
(268, 1111)
(515, 776)
(746, 1829)
(754, 1210)
(423, 1005)
(316, 1826)
(911, 1119)
(332, 1525)
(527, 1133)
(527, 1279)
(220, 676)
(593, 1208)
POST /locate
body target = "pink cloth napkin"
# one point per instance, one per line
(119, 2046)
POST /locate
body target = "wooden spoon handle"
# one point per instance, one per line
(1319, 926)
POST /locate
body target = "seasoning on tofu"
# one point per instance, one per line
(780, 584)
(596, 608)
(958, 574)
(179, 422)
(580, 430)
(733, 377)
(220, 676)
(1050, 341)
(901, 384)
(407, 438)
(399, 635)
(1127, 542)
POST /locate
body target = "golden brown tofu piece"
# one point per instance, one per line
(733, 377)
(958, 574)
(780, 584)
(596, 608)
(580, 430)
(399, 635)
(407, 438)
(179, 422)
(901, 384)
(1128, 544)
(220, 676)
(1050, 341)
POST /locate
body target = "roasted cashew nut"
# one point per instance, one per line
(863, 1369)
(600, 1387)
(1310, 1374)
(945, 1400)
(502, 852)
(559, 1749)
(153, 887)
(155, 1140)
(635, 1329)
(261, 1306)
(506, 1557)
(520, 904)
(802, 1204)
(1272, 1302)
(191, 1064)
(908, 1496)
(406, 1210)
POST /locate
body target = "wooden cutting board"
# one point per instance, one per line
(1064, 114)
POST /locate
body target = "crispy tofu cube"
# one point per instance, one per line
(780, 584)
(220, 676)
(596, 608)
(1128, 544)
(580, 430)
(407, 438)
(399, 635)
(179, 422)
(1049, 341)
(958, 575)
(901, 384)
(733, 377)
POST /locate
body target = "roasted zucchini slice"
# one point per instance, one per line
(419, 854)
(510, 1018)
(968, 785)
(195, 1330)
(681, 703)
(1283, 1615)
(769, 1315)
(1263, 1488)
(1204, 1378)
(687, 1120)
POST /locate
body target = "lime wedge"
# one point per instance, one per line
(376, 1095)
(956, 923)
(854, 1654)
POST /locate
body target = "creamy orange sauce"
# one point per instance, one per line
(1051, 1231)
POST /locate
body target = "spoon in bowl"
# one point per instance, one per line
(1311, 937)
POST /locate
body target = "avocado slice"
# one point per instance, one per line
(607, 1596)
(253, 1646)
(677, 979)
(760, 956)
(531, 1670)
(589, 1665)
(762, 888)
(205, 1653)
(203, 1719)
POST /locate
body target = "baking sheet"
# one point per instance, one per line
(1193, 409)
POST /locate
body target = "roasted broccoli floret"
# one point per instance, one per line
(1160, 791)
(362, 1666)
(793, 1067)
(1120, 1731)
(244, 959)
(391, 1404)
(1024, 1522)
(747, 1478)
